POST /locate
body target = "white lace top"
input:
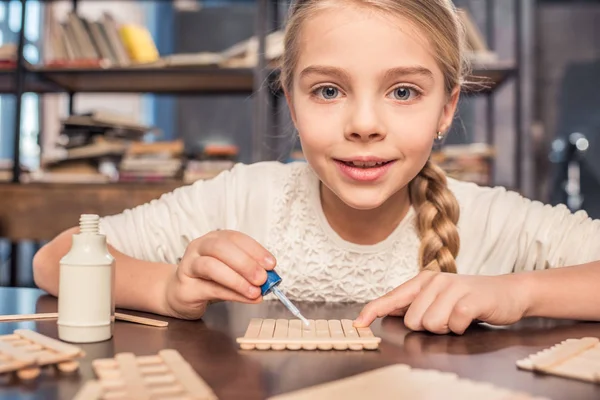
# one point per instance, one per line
(279, 205)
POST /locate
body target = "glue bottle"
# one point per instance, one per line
(86, 306)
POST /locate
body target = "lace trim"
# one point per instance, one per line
(318, 265)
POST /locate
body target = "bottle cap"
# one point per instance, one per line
(272, 280)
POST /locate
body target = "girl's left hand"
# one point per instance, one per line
(442, 302)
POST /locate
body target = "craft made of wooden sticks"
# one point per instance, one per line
(163, 376)
(321, 334)
(25, 351)
(572, 358)
(399, 381)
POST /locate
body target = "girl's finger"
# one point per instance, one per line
(465, 310)
(436, 317)
(212, 269)
(228, 252)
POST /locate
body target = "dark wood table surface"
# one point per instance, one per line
(483, 353)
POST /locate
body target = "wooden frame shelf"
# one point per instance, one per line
(180, 80)
(491, 75)
(57, 206)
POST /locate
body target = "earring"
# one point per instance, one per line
(439, 136)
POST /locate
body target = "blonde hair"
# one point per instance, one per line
(437, 208)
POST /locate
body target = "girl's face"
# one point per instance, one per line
(368, 100)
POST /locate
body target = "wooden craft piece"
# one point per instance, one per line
(163, 376)
(281, 334)
(24, 352)
(400, 381)
(118, 317)
(572, 358)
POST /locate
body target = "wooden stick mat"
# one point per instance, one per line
(281, 334)
(400, 381)
(163, 376)
(118, 316)
(25, 351)
(573, 358)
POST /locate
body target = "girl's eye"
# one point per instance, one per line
(328, 92)
(403, 93)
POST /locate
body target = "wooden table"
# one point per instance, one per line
(483, 353)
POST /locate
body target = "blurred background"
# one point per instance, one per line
(106, 104)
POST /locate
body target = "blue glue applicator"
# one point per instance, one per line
(270, 286)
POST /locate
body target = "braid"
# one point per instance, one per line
(437, 216)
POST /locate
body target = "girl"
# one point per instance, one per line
(370, 85)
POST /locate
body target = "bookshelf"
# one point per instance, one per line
(171, 80)
(69, 200)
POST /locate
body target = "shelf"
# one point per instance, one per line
(33, 83)
(57, 206)
(183, 80)
(205, 80)
(492, 76)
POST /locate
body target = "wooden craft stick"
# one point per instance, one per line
(56, 345)
(252, 332)
(308, 332)
(118, 316)
(294, 332)
(336, 331)
(281, 332)
(322, 329)
(266, 333)
(17, 358)
(27, 317)
(186, 376)
(141, 320)
(366, 333)
(351, 333)
(131, 375)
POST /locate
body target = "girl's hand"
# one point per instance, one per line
(221, 265)
(443, 302)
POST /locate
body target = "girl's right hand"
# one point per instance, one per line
(221, 265)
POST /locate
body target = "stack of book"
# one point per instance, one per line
(95, 147)
(471, 162)
(213, 159)
(152, 162)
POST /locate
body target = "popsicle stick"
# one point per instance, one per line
(322, 329)
(365, 333)
(351, 333)
(252, 332)
(186, 376)
(337, 332)
(266, 332)
(294, 332)
(27, 317)
(281, 332)
(308, 332)
(47, 342)
(132, 376)
(118, 316)
(141, 320)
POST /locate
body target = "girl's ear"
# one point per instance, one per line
(288, 98)
(449, 109)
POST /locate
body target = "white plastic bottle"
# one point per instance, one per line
(86, 305)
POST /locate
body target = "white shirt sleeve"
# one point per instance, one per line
(161, 229)
(502, 232)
